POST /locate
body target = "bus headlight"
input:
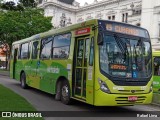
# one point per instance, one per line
(103, 86)
(151, 88)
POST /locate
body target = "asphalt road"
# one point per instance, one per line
(45, 102)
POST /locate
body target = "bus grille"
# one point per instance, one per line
(130, 91)
(124, 100)
(130, 83)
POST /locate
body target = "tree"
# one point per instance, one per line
(19, 24)
(16, 25)
(28, 3)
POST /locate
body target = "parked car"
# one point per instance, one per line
(2, 67)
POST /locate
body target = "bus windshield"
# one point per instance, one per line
(125, 57)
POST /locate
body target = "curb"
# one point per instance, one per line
(155, 104)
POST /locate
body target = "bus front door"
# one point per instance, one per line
(80, 68)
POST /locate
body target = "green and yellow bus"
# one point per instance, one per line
(99, 62)
(156, 76)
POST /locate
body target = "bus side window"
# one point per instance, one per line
(29, 50)
(46, 44)
(35, 50)
(157, 66)
(61, 46)
(24, 51)
(91, 56)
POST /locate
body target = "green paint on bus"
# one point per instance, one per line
(99, 62)
(156, 76)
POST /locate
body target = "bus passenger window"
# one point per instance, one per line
(35, 50)
(157, 66)
(24, 54)
(61, 46)
(46, 48)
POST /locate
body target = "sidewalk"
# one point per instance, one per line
(4, 72)
(156, 99)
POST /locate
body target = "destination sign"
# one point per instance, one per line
(123, 28)
(118, 67)
(82, 31)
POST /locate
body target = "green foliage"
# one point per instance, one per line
(16, 25)
(21, 21)
(10, 5)
(28, 3)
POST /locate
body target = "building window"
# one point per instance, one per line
(61, 46)
(125, 17)
(126, 20)
(113, 17)
(109, 17)
(122, 17)
(137, 12)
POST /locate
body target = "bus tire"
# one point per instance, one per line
(58, 91)
(23, 80)
(65, 92)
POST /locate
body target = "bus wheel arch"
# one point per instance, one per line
(23, 80)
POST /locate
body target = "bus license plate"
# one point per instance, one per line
(132, 98)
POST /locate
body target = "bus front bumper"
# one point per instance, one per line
(104, 99)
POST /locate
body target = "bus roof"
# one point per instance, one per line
(69, 28)
(156, 53)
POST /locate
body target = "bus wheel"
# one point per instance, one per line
(65, 93)
(58, 91)
(23, 81)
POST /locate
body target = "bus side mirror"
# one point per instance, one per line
(100, 39)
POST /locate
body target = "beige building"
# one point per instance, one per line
(143, 13)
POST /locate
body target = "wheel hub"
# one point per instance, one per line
(65, 91)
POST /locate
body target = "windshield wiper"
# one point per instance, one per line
(123, 47)
(119, 43)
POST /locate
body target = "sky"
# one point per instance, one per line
(83, 1)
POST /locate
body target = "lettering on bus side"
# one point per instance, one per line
(53, 70)
(143, 87)
(118, 88)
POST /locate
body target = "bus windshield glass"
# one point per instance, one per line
(125, 57)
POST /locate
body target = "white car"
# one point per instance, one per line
(2, 67)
